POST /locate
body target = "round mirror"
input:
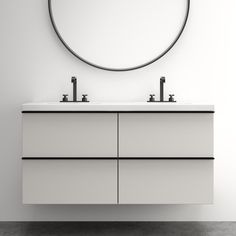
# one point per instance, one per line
(119, 35)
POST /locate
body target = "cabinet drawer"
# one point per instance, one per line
(166, 181)
(69, 135)
(69, 181)
(166, 135)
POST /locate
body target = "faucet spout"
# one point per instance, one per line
(74, 82)
(162, 81)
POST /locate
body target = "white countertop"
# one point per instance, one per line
(115, 106)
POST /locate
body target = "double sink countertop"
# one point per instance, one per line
(115, 107)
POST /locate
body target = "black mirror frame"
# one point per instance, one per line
(114, 69)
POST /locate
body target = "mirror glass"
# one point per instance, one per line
(119, 34)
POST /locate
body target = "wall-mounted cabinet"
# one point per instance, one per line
(118, 157)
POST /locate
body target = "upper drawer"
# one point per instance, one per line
(166, 135)
(69, 135)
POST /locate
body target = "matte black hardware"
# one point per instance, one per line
(69, 158)
(65, 98)
(162, 81)
(74, 82)
(84, 98)
(166, 158)
(114, 69)
(118, 111)
(118, 158)
(152, 98)
(171, 98)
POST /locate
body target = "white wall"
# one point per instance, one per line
(34, 66)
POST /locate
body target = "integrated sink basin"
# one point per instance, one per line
(115, 106)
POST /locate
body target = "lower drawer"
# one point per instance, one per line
(69, 181)
(166, 181)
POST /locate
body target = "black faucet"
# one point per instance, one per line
(74, 81)
(65, 96)
(171, 98)
(162, 81)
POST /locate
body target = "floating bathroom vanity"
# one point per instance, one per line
(130, 153)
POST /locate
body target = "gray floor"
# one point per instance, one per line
(118, 228)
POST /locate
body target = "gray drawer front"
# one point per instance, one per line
(166, 135)
(69, 135)
(69, 181)
(166, 181)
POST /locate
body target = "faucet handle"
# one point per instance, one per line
(84, 98)
(171, 98)
(151, 99)
(65, 98)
